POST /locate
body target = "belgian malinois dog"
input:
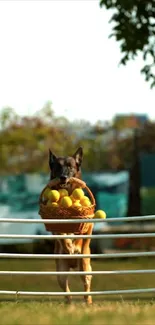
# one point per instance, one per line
(63, 168)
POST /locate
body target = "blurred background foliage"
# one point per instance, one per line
(25, 140)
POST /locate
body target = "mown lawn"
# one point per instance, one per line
(116, 309)
(54, 313)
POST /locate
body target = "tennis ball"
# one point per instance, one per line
(54, 204)
(85, 203)
(54, 196)
(100, 214)
(66, 202)
(50, 203)
(84, 198)
(74, 200)
(76, 204)
(78, 194)
(45, 193)
(63, 192)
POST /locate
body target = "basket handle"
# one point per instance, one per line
(83, 185)
(56, 181)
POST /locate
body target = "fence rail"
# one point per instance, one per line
(149, 271)
(77, 293)
(97, 236)
(77, 256)
(65, 256)
(126, 219)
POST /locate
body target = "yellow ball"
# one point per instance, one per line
(66, 202)
(45, 193)
(52, 204)
(54, 196)
(84, 198)
(76, 204)
(100, 214)
(74, 200)
(86, 203)
(63, 192)
(78, 194)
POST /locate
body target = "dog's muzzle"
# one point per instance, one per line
(64, 181)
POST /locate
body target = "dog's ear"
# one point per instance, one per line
(78, 156)
(52, 159)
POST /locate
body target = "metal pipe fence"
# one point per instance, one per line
(78, 256)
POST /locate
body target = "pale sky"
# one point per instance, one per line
(59, 50)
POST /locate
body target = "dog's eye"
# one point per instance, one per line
(70, 166)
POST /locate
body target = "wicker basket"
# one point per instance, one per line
(47, 212)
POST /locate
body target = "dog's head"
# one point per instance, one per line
(65, 167)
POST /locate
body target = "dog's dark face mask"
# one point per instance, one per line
(65, 167)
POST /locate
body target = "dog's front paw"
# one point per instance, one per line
(77, 249)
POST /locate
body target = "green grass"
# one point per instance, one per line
(116, 309)
(50, 313)
(100, 282)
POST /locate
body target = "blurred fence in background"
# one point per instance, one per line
(19, 199)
